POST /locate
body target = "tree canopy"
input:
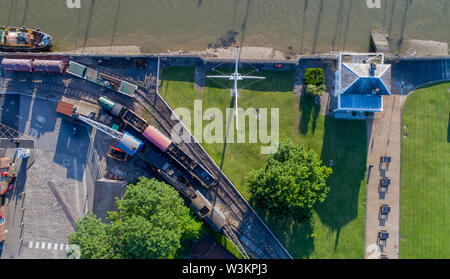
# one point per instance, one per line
(150, 223)
(315, 81)
(314, 76)
(291, 181)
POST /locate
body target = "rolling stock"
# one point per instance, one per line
(126, 142)
(34, 65)
(181, 180)
(159, 140)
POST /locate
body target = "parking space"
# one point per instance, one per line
(39, 213)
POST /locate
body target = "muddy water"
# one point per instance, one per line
(296, 26)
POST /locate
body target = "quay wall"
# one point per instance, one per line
(196, 60)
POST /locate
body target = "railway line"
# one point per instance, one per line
(166, 126)
(244, 228)
(246, 222)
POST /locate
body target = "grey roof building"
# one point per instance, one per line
(360, 84)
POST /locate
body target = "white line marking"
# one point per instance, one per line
(83, 168)
(67, 247)
(43, 245)
(37, 245)
(55, 246)
(77, 188)
(61, 247)
(30, 245)
(49, 246)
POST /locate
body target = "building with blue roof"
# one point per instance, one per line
(360, 84)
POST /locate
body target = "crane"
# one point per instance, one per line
(99, 126)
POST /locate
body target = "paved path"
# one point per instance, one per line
(385, 140)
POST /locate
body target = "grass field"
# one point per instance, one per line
(425, 172)
(339, 222)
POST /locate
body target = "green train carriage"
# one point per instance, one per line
(111, 107)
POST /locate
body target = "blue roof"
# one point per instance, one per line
(130, 144)
(361, 102)
(365, 85)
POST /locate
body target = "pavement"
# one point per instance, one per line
(37, 220)
(58, 188)
(384, 132)
(384, 141)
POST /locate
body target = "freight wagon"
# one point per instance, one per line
(179, 178)
(134, 120)
(102, 79)
(167, 146)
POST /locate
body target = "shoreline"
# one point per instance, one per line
(379, 42)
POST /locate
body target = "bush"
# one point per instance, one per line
(314, 76)
(315, 90)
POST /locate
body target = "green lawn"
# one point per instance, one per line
(339, 222)
(425, 172)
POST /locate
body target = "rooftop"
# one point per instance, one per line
(364, 79)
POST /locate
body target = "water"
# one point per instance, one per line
(296, 26)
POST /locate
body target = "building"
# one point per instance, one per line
(360, 84)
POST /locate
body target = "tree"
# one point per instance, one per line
(315, 81)
(291, 181)
(92, 237)
(151, 222)
(314, 76)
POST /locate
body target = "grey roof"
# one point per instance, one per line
(76, 69)
(127, 88)
(387, 78)
(91, 75)
(363, 69)
(348, 77)
(366, 86)
(356, 79)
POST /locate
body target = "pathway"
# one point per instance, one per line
(385, 141)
